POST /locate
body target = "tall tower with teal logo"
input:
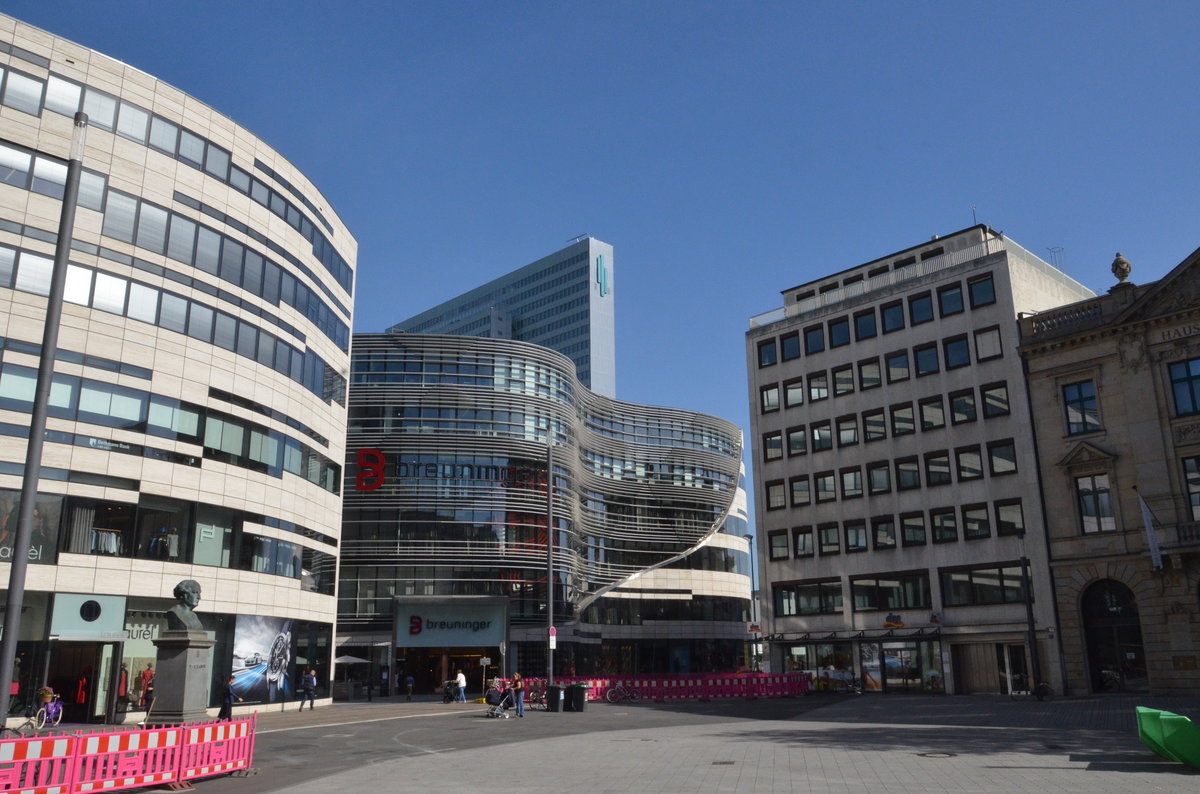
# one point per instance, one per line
(563, 301)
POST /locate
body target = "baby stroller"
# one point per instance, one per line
(449, 691)
(499, 701)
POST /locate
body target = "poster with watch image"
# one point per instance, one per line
(262, 659)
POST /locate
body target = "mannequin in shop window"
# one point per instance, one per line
(181, 617)
(163, 544)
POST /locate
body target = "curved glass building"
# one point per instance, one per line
(449, 439)
(197, 418)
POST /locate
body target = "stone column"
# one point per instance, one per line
(182, 681)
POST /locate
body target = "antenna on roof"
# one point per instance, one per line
(974, 220)
(579, 237)
(1056, 256)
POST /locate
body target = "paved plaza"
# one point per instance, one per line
(892, 743)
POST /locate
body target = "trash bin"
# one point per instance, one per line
(577, 697)
(554, 698)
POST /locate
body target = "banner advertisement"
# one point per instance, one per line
(447, 624)
(47, 515)
(262, 659)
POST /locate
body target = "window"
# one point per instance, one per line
(895, 591)
(956, 352)
(892, 315)
(1095, 504)
(987, 344)
(1002, 457)
(843, 381)
(775, 495)
(809, 598)
(818, 386)
(827, 536)
(912, 529)
(962, 406)
(768, 398)
(767, 353)
(869, 374)
(847, 428)
(925, 359)
(814, 339)
(793, 392)
(983, 292)
(994, 397)
(826, 484)
(797, 441)
(950, 300)
(985, 585)
(839, 332)
(879, 479)
(802, 541)
(778, 545)
(902, 419)
(897, 366)
(789, 346)
(822, 436)
(801, 490)
(1009, 518)
(944, 524)
(1191, 479)
(1185, 385)
(864, 325)
(937, 468)
(1083, 415)
(772, 446)
(975, 522)
(883, 529)
(856, 536)
(874, 425)
(851, 483)
(969, 462)
(24, 93)
(933, 412)
(908, 474)
(920, 308)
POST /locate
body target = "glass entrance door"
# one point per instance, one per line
(901, 667)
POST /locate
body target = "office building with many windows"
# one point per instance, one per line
(1114, 382)
(444, 556)
(197, 424)
(895, 474)
(563, 301)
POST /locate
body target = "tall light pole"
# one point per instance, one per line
(41, 402)
(550, 631)
(754, 643)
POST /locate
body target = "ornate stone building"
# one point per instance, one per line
(1115, 387)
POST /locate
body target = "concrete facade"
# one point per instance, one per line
(1112, 381)
(895, 470)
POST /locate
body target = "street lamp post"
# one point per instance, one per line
(41, 403)
(550, 638)
(754, 643)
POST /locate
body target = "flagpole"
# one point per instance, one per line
(1149, 520)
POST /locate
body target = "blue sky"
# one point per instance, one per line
(726, 150)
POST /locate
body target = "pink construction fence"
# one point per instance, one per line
(709, 686)
(114, 760)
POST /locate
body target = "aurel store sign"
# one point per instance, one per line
(450, 623)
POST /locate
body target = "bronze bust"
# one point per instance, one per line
(181, 617)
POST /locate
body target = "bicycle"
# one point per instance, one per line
(535, 698)
(849, 686)
(1019, 689)
(50, 713)
(619, 692)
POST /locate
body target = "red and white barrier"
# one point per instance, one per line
(89, 762)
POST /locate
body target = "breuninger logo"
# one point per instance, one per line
(416, 624)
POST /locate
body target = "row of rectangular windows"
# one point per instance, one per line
(1093, 498)
(944, 525)
(997, 583)
(955, 354)
(867, 325)
(968, 462)
(30, 94)
(27, 271)
(1082, 405)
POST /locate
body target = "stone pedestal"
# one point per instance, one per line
(182, 681)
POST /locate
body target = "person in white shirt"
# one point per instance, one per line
(461, 680)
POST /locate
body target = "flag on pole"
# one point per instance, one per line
(1151, 535)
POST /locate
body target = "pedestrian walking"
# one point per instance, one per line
(461, 681)
(308, 688)
(518, 689)
(226, 712)
(409, 683)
